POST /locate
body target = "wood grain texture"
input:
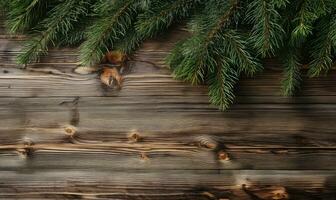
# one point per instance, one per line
(172, 184)
(67, 136)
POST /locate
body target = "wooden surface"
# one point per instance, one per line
(66, 136)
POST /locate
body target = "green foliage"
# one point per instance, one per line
(200, 50)
(234, 46)
(162, 14)
(24, 15)
(221, 84)
(47, 30)
(130, 41)
(308, 12)
(228, 37)
(292, 76)
(215, 54)
(114, 19)
(266, 33)
(3, 5)
(323, 46)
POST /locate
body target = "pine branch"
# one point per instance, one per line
(76, 35)
(175, 57)
(280, 3)
(323, 46)
(292, 75)
(129, 42)
(215, 54)
(235, 48)
(222, 45)
(221, 84)
(162, 14)
(59, 21)
(23, 15)
(309, 12)
(72, 39)
(195, 60)
(267, 34)
(107, 30)
(4, 6)
(199, 50)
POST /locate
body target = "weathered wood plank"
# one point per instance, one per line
(172, 184)
(65, 135)
(118, 156)
(164, 118)
(58, 80)
(170, 133)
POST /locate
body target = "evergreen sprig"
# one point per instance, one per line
(161, 15)
(60, 21)
(228, 38)
(324, 46)
(24, 15)
(114, 19)
(266, 33)
(215, 55)
(292, 75)
(221, 84)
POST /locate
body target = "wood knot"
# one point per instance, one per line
(111, 77)
(144, 156)
(206, 142)
(27, 149)
(27, 143)
(70, 130)
(223, 156)
(267, 192)
(134, 136)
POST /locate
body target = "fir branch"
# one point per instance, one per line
(235, 48)
(73, 38)
(280, 3)
(61, 21)
(267, 34)
(198, 51)
(23, 15)
(129, 42)
(292, 75)
(162, 14)
(4, 6)
(195, 59)
(107, 30)
(221, 84)
(323, 46)
(76, 35)
(219, 49)
(213, 54)
(309, 12)
(175, 57)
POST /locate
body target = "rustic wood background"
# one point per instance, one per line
(66, 136)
